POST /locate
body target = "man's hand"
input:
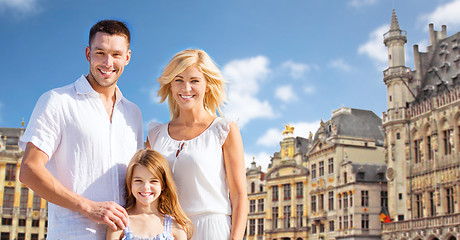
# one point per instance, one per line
(109, 213)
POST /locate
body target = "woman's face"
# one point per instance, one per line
(188, 89)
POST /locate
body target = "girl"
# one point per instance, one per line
(205, 152)
(151, 201)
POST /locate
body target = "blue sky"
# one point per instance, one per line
(291, 61)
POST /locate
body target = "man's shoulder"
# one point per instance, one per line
(56, 95)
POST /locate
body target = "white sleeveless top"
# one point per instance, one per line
(197, 166)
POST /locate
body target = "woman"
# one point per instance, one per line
(205, 152)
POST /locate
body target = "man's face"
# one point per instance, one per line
(107, 56)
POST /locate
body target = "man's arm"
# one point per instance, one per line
(34, 174)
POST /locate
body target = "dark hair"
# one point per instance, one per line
(112, 27)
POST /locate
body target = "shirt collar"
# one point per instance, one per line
(82, 86)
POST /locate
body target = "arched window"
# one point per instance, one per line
(253, 187)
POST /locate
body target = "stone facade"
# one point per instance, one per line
(23, 213)
(422, 137)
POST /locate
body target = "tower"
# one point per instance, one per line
(397, 78)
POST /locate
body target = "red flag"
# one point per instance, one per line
(384, 215)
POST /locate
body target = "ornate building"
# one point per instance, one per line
(23, 213)
(257, 198)
(422, 137)
(331, 186)
(347, 185)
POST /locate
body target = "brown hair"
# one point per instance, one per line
(112, 27)
(168, 202)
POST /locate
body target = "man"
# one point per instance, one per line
(80, 139)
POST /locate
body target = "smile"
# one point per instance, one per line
(186, 96)
(106, 71)
(145, 194)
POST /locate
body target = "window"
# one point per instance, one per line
(340, 222)
(340, 201)
(447, 141)
(287, 216)
(313, 228)
(21, 236)
(384, 199)
(398, 135)
(428, 148)
(6, 221)
(400, 196)
(24, 197)
(275, 193)
(331, 200)
(299, 214)
(418, 206)
(275, 217)
(351, 199)
(35, 223)
(22, 222)
(261, 188)
(260, 226)
(313, 203)
(8, 197)
(345, 179)
(450, 200)
(351, 221)
(287, 191)
(365, 198)
(5, 236)
(313, 171)
(10, 174)
(321, 168)
(345, 221)
(321, 228)
(321, 202)
(365, 221)
(252, 205)
(345, 200)
(260, 202)
(432, 204)
(36, 203)
(252, 227)
(417, 150)
(34, 236)
(331, 226)
(299, 190)
(253, 187)
(330, 163)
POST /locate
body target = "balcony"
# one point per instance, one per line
(438, 163)
(396, 72)
(422, 224)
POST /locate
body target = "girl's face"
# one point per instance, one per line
(188, 88)
(145, 187)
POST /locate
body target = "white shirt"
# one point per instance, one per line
(198, 170)
(87, 153)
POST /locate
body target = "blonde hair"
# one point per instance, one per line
(168, 202)
(213, 99)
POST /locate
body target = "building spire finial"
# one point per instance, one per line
(394, 22)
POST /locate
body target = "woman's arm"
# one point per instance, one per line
(236, 177)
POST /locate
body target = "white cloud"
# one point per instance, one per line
(262, 159)
(273, 136)
(374, 47)
(245, 75)
(286, 94)
(296, 70)
(19, 6)
(447, 14)
(309, 90)
(360, 3)
(340, 64)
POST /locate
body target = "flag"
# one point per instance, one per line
(384, 215)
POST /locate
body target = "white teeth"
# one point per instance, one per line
(186, 97)
(145, 194)
(105, 72)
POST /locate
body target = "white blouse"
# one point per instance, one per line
(197, 166)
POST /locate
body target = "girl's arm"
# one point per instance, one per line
(178, 233)
(113, 235)
(236, 177)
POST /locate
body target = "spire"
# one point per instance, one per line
(394, 22)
